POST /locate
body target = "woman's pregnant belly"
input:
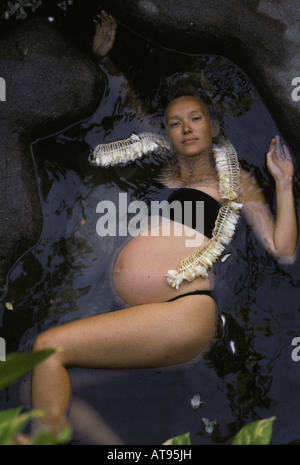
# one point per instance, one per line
(139, 273)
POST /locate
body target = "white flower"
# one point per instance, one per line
(209, 425)
(200, 261)
(196, 401)
(128, 149)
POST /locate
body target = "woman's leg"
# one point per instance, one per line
(144, 336)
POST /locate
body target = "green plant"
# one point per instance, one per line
(13, 421)
(256, 433)
(182, 440)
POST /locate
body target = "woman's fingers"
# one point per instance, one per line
(286, 152)
(272, 144)
(272, 147)
(105, 32)
(106, 25)
(277, 147)
(279, 150)
(107, 21)
(279, 160)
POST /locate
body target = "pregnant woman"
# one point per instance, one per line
(169, 315)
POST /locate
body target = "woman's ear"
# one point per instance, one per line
(215, 128)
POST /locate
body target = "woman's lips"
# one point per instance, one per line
(189, 141)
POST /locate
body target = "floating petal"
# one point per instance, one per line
(196, 401)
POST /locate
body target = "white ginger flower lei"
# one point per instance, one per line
(202, 259)
(125, 150)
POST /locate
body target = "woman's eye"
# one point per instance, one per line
(196, 118)
(173, 125)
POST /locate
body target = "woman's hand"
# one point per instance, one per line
(280, 236)
(105, 33)
(279, 161)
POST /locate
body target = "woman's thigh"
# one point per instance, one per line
(144, 336)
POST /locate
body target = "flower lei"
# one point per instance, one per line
(125, 150)
(198, 263)
(203, 258)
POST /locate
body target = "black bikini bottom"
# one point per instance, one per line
(191, 293)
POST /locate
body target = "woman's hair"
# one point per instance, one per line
(191, 86)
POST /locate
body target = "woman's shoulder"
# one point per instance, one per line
(248, 183)
(251, 193)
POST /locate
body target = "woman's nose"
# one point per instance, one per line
(186, 127)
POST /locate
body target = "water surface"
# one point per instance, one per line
(250, 374)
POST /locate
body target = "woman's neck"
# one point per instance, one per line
(198, 170)
(181, 171)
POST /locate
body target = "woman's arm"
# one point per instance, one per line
(104, 39)
(280, 237)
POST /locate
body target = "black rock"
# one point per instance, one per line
(50, 84)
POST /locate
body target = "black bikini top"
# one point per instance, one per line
(196, 208)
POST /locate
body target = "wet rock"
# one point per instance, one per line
(260, 36)
(50, 84)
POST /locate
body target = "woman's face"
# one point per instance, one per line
(189, 126)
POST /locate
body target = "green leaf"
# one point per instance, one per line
(18, 363)
(256, 433)
(11, 423)
(7, 417)
(182, 440)
(45, 438)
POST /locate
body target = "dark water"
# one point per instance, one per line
(250, 373)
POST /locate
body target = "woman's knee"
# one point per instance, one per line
(46, 340)
(203, 327)
(57, 339)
